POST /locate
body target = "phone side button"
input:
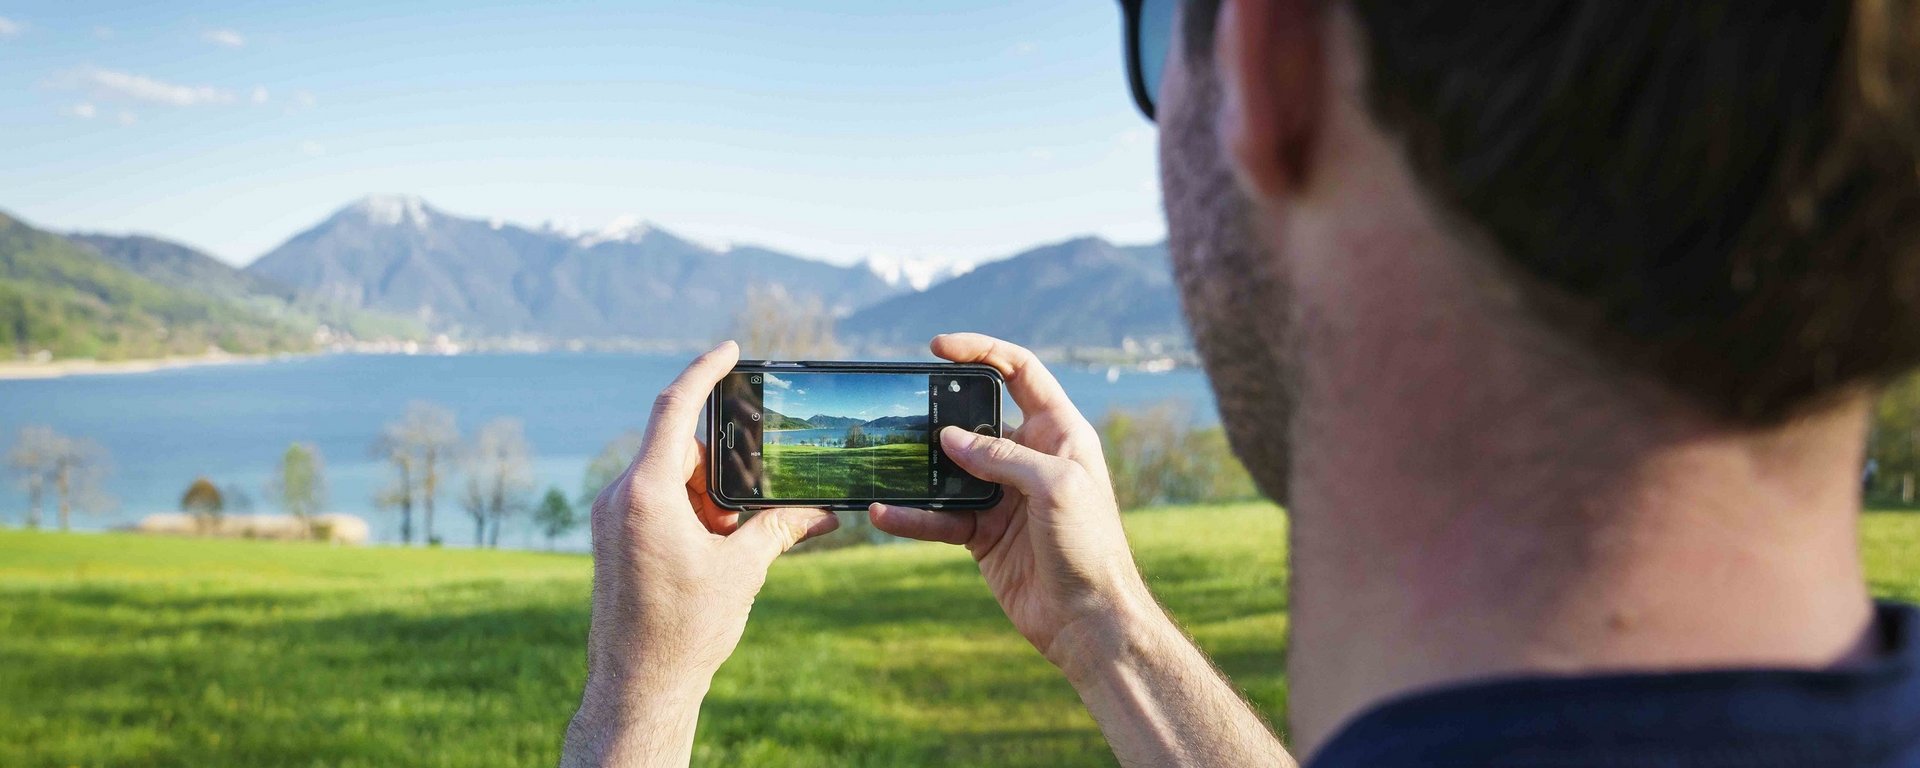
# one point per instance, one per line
(729, 433)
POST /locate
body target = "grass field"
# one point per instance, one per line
(120, 650)
(821, 472)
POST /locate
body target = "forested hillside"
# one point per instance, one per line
(66, 299)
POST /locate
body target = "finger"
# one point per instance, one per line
(1032, 386)
(677, 408)
(773, 531)
(716, 518)
(911, 523)
(695, 461)
(999, 460)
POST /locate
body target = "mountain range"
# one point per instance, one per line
(1083, 292)
(488, 278)
(777, 420)
(395, 266)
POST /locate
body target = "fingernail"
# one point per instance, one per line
(725, 344)
(957, 439)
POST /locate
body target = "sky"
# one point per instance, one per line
(869, 397)
(947, 131)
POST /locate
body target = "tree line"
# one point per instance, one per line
(489, 475)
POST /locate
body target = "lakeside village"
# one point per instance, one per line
(1132, 356)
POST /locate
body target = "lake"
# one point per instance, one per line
(231, 423)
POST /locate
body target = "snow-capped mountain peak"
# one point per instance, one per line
(915, 273)
(394, 210)
(623, 229)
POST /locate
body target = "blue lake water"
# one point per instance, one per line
(232, 422)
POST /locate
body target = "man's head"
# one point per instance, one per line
(1718, 200)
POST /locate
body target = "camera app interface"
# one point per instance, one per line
(849, 436)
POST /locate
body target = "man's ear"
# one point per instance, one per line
(1269, 57)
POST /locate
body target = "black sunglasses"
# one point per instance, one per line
(1149, 39)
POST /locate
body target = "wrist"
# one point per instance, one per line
(621, 719)
(1132, 626)
(646, 687)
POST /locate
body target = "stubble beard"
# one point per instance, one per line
(1233, 291)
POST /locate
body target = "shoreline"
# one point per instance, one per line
(14, 370)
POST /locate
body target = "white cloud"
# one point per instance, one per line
(127, 118)
(921, 393)
(799, 391)
(313, 149)
(127, 85)
(259, 94)
(778, 382)
(9, 27)
(82, 110)
(226, 37)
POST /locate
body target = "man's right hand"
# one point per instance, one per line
(1056, 558)
(1052, 550)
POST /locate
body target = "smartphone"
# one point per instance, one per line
(843, 435)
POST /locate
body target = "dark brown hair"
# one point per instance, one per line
(1724, 195)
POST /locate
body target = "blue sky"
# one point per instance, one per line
(869, 397)
(944, 130)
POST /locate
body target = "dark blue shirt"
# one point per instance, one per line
(1867, 715)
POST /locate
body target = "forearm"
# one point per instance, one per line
(1159, 701)
(633, 730)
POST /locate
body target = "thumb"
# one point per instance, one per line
(999, 460)
(772, 531)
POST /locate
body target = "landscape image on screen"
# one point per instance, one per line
(831, 436)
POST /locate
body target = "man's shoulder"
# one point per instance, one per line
(1865, 715)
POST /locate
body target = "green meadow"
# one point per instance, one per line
(128, 651)
(823, 472)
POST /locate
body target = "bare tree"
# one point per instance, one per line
(606, 467)
(399, 495)
(499, 478)
(473, 499)
(421, 446)
(774, 324)
(32, 463)
(78, 468)
(301, 485)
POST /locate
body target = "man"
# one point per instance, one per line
(1570, 314)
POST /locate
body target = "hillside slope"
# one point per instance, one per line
(182, 267)
(1083, 292)
(66, 299)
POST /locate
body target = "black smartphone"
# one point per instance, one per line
(843, 435)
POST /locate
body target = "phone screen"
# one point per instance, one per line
(794, 435)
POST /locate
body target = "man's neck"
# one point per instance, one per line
(1467, 506)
